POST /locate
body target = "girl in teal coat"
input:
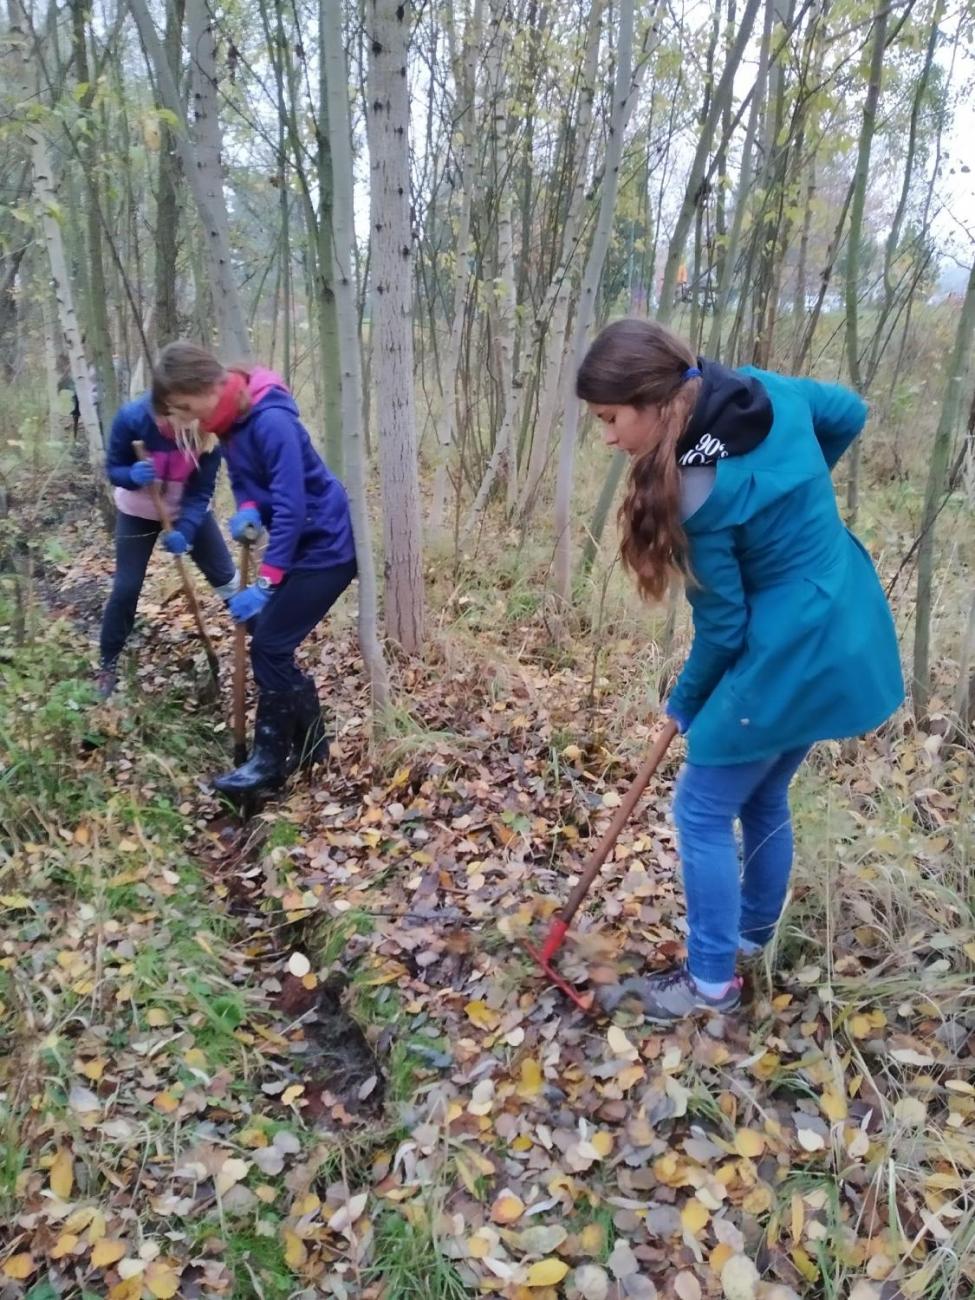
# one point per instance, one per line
(793, 640)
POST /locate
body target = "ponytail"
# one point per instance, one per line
(640, 363)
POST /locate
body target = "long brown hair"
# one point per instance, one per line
(640, 363)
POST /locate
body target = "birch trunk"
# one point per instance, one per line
(468, 156)
(504, 287)
(336, 87)
(551, 324)
(388, 116)
(624, 96)
(199, 152)
(24, 67)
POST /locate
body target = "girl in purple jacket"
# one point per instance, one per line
(279, 483)
(185, 467)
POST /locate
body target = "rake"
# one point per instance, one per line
(559, 925)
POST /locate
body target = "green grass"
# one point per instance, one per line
(409, 1261)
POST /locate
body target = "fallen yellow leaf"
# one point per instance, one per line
(603, 1142)
(107, 1252)
(64, 1245)
(592, 1239)
(547, 1272)
(750, 1143)
(480, 1014)
(834, 1106)
(694, 1216)
(531, 1079)
(292, 1093)
(93, 1069)
(162, 1280)
(719, 1257)
(295, 1250)
(507, 1208)
(62, 1174)
(156, 1017)
(19, 1266)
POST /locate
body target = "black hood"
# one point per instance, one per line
(732, 416)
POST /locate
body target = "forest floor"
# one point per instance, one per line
(309, 1055)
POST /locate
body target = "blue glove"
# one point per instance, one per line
(247, 603)
(143, 472)
(245, 518)
(175, 542)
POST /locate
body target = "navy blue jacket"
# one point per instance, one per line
(274, 466)
(187, 481)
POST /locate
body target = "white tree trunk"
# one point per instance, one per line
(466, 146)
(24, 66)
(624, 96)
(497, 81)
(55, 418)
(553, 318)
(350, 357)
(388, 118)
(199, 150)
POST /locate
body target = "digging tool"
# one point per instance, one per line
(251, 534)
(560, 923)
(166, 519)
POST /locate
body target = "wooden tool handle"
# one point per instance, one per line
(622, 815)
(166, 519)
(155, 491)
(240, 667)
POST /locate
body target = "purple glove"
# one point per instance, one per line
(175, 543)
(247, 603)
(143, 472)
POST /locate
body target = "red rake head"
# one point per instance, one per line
(583, 1001)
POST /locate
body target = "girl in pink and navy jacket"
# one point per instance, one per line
(281, 485)
(185, 467)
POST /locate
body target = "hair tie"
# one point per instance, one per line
(692, 372)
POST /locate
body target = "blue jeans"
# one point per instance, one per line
(134, 542)
(726, 900)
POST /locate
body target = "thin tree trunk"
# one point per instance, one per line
(168, 194)
(505, 306)
(549, 343)
(24, 67)
(624, 96)
(343, 278)
(467, 147)
(99, 341)
(857, 206)
(392, 323)
(695, 179)
(201, 164)
(951, 410)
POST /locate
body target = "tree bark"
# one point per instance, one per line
(392, 318)
(624, 96)
(951, 410)
(695, 179)
(24, 66)
(857, 206)
(199, 152)
(343, 278)
(166, 319)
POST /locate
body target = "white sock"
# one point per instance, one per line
(711, 990)
(229, 588)
(749, 949)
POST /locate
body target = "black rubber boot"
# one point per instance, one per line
(311, 738)
(267, 766)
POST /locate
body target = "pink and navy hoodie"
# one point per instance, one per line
(187, 481)
(274, 466)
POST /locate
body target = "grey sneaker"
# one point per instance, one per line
(671, 995)
(106, 682)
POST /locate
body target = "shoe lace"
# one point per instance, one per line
(669, 979)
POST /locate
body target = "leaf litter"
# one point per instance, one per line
(356, 1045)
